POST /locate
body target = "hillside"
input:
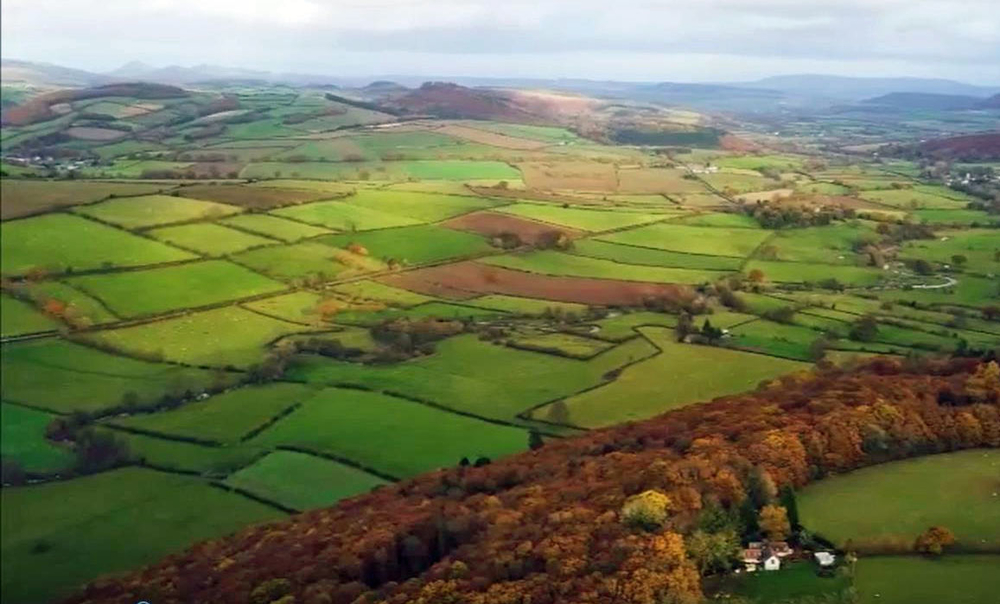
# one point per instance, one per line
(973, 147)
(41, 108)
(546, 526)
(909, 101)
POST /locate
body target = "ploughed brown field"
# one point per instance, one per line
(469, 279)
(577, 176)
(492, 224)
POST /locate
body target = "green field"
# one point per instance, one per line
(903, 498)
(561, 343)
(295, 307)
(831, 244)
(59, 242)
(18, 317)
(695, 373)
(218, 337)
(803, 272)
(288, 231)
(630, 254)
(344, 216)
(65, 377)
(25, 197)
(307, 259)
(978, 246)
(713, 241)
(914, 580)
(301, 481)
(154, 210)
(923, 197)
(725, 220)
(80, 307)
(373, 290)
(223, 418)
(793, 583)
(209, 239)
(548, 262)
(354, 423)
(159, 290)
(423, 207)
(118, 520)
(530, 306)
(580, 218)
(473, 376)
(622, 326)
(954, 217)
(418, 244)
(22, 439)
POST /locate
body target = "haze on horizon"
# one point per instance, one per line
(638, 40)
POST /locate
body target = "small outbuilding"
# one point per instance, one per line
(825, 559)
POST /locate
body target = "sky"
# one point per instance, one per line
(633, 40)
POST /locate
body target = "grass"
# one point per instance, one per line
(979, 246)
(474, 376)
(58, 242)
(630, 254)
(118, 520)
(307, 259)
(159, 290)
(373, 290)
(418, 244)
(18, 317)
(767, 337)
(26, 197)
(832, 244)
(459, 170)
(695, 373)
(760, 162)
(344, 216)
(579, 218)
(422, 207)
(22, 439)
(154, 210)
(903, 498)
(720, 219)
(302, 481)
(548, 262)
(802, 272)
(914, 580)
(954, 217)
(218, 337)
(209, 239)
(65, 377)
(295, 307)
(793, 583)
(561, 343)
(81, 308)
(288, 231)
(713, 241)
(214, 462)
(354, 424)
(530, 306)
(438, 310)
(930, 198)
(622, 326)
(737, 182)
(222, 418)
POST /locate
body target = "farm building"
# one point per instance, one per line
(825, 559)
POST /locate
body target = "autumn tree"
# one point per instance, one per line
(984, 384)
(756, 276)
(774, 522)
(647, 510)
(713, 552)
(934, 540)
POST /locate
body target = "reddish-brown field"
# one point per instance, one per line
(492, 224)
(251, 197)
(571, 175)
(492, 139)
(467, 279)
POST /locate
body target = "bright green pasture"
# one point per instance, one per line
(418, 244)
(580, 218)
(18, 317)
(160, 290)
(423, 207)
(209, 238)
(274, 227)
(800, 272)
(767, 337)
(301, 481)
(224, 417)
(154, 210)
(437, 310)
(56, 242)
(630, 254)
(116, 521)
(969, 291)
(307, 259)
(925, 197)
(795, 582)
(832, 244)
(680, 375)
(901, 499)
(737, 182)
(208, 461)
(22, 439)
(714, 241)
(81, 307)
(568, 344)
(474, 376)
(719, 219)
(823, 188)
(531, 306)
(373, 290)
(355, 424)
(916, 580)
(295, 307)
(344, 216)
(981, 248)
(548, 262)
(760, 162)
(622, 326)
(65, 377)
(955, 217)
(218, 337)
(459, 170)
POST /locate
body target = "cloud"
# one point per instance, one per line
(915, 35)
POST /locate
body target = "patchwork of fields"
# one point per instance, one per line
(308, 307)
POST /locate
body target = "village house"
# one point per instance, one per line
(766, 554)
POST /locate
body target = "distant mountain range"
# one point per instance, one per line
(789, 91)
